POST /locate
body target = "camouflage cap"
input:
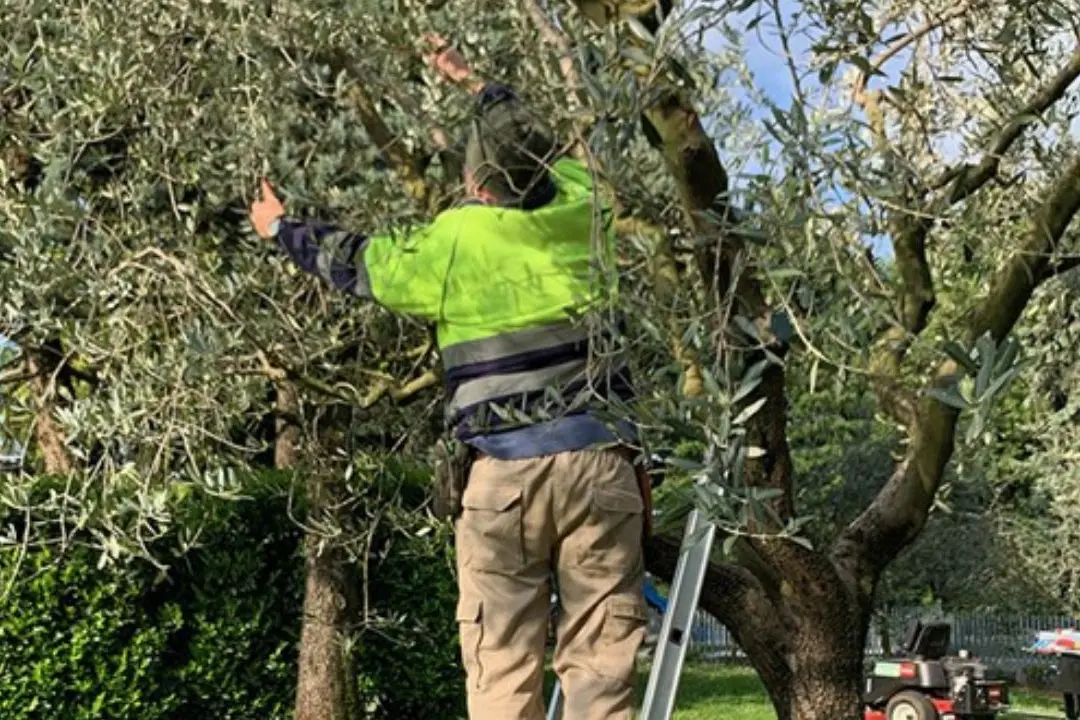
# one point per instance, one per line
(509, 149)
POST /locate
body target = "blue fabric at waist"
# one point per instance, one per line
(565, 434)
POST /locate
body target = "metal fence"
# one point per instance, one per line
(996, 639)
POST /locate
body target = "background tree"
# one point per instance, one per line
(1030, 465)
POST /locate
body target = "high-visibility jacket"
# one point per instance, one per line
(512, 294)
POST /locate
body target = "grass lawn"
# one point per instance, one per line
(712, 691)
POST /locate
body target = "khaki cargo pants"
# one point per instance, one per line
(577, 514)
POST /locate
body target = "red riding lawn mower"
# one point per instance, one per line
(926, 683)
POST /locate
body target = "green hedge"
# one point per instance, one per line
(217, 639)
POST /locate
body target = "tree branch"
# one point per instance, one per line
(1061, 266)
(405, 165)
(574, 95)
(414, 387)
(917, 297)
(899, 512)
(673, 127)
(969, 179)
(279, 373)
(604, 12)
(917, 300)
(44, 365)
(1014, 284)
(286, 425)
(439, 195)
(898, 46)
(16, 375)
(551, 35)
(664, 272)
(401, 160)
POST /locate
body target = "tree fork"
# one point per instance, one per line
(911, 230)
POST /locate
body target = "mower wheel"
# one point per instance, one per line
(910, 705)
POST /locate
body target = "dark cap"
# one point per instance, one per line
(509, 150)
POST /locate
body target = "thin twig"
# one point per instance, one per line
(897, 47)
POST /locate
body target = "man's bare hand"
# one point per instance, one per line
(447, 61)
(265, 211)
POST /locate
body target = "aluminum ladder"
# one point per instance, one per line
(674, 640)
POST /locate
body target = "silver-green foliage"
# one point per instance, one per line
(152, 121)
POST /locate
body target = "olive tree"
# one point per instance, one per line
(164, 352)
(962, 158)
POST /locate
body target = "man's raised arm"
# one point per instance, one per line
(449, 62)
(321, 249)
(327, 252)
(403, 273)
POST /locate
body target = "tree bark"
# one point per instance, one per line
(737, 599)
(805, 639)
(43, 365)
(899, 512)
(832, 618)
(324, 689)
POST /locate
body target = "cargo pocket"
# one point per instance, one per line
(614, 534)
(490, 532)
(619, 500)
(621, 636)
(470, 615)
(622, 619)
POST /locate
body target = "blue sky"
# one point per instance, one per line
(764, 55)
(765, 58)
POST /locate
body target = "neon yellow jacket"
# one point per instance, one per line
(507, 290)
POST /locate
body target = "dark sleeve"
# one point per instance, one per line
(327, 252)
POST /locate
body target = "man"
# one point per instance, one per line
(550, 491)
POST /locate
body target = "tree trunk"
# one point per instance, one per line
(804, 638)
(42, 365)
(324, 689)
(826, 667)
(827, 620)
(733, 596)
(823, 654)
